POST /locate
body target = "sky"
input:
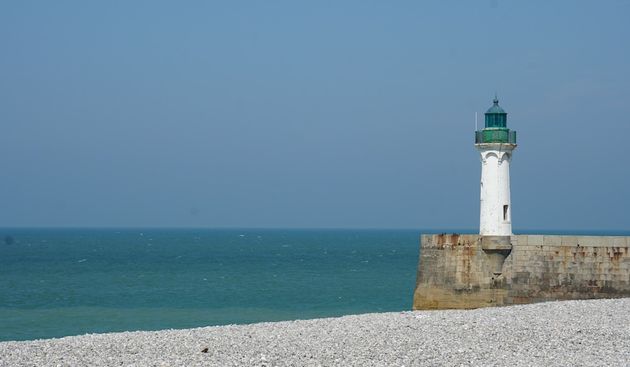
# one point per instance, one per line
(296, 114)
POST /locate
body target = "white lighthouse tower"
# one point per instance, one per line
(495, 142)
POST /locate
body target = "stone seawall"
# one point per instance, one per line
(462, 271)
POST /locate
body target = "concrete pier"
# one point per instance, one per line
(471, 271)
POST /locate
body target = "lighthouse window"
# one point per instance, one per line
(505, 212)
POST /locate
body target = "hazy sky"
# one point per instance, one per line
(310, 114)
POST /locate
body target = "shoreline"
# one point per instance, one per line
(590, 332)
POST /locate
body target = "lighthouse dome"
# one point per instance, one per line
(496, 117)
(495, 107)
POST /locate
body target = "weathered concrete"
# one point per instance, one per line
(469, 271)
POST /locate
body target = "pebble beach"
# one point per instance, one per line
(567, 333)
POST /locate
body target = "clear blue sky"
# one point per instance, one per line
(310, 114)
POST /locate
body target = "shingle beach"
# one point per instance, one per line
(570, 333)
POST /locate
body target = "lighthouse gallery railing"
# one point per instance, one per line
(495, 136)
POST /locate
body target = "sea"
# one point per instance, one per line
(60, 282)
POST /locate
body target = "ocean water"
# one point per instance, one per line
(58, 282)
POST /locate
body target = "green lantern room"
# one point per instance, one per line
(495, 130)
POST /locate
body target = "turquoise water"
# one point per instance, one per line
(67, 282)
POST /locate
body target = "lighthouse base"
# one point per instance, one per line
(497, 249)
(471, 271)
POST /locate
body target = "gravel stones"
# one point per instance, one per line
(576, 333)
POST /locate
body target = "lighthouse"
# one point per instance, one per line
(495, 143)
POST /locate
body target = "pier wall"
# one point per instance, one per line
(456, 271)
